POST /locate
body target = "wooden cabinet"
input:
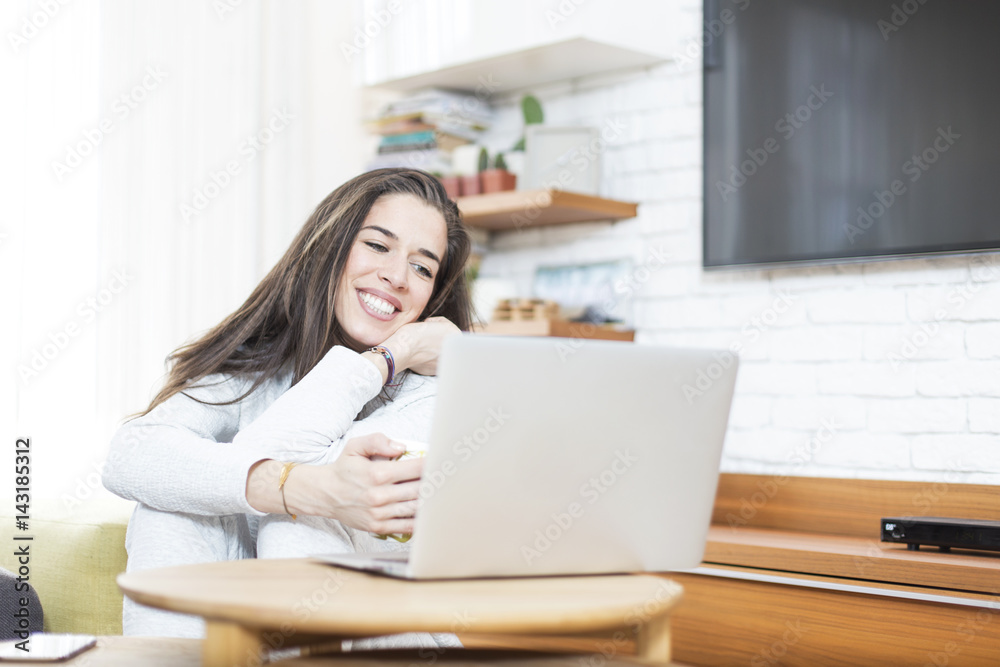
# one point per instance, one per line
(795, 574)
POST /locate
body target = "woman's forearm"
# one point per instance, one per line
(262, 487)
(318, 410)
(364, 488)
(380, 363)
(264, 492)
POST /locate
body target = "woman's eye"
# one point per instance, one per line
(378, 247)
(423, 270)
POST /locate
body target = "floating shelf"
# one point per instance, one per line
(523, 209)
(553, 326)
(523, 68)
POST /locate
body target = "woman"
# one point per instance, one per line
(272, 433)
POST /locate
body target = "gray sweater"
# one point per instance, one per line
(186, 456)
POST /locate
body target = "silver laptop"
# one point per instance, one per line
(556, 456)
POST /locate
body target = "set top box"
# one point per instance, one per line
(941, 532)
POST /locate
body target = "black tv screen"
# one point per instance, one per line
(847, 129)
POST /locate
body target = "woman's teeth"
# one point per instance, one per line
(380, 306)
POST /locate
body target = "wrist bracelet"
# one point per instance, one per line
(389, 362)
(281, 486)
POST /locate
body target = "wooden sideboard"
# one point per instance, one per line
(794, 574)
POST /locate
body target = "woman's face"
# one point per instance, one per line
(389, 277)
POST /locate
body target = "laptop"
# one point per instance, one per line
(557, 456)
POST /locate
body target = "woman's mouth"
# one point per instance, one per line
(376, 306)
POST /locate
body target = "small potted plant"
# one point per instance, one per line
(498, 178)
(452, 184)
(531, 109)
(472, 185)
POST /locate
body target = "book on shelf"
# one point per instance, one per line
(421, 130)
(459, 114)
(419, 122)
(431, 160)
(442, 104)
(424, 139)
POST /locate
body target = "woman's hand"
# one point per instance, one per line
(417, 345)
(379, 496)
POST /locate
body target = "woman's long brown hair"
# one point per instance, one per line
(289, 317)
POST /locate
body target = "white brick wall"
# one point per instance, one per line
(885, 369)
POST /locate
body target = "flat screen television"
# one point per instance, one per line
(839, 130)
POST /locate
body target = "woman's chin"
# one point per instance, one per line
(364, 340)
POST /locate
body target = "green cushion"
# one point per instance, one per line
(75, 556)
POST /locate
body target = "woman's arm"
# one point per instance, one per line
(358, 485)
(378, 496)
(322, 406)
(186, 456)
(179, 457)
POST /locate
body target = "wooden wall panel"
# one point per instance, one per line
(843, 506)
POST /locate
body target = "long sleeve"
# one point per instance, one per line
(186, 456)
(317, 411)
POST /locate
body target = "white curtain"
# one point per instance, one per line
(158, 157)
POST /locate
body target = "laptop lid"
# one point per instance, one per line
(567, 456)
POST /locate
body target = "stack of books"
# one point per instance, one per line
(421, 130)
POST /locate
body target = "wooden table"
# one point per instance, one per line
(118, 651)
(252, 606)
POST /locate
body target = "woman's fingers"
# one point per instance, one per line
(393, 527)
(372, 445)
(400, 494)
(386, 517)
(369, 488)
(394, 472)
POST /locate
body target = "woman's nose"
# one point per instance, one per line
(393, 273)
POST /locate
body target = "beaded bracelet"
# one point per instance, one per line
(389, 362)
(281, 486)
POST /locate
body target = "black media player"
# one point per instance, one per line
(941, 532)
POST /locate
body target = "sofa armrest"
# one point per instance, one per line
(75, 554)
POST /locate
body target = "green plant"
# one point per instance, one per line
(484, 159)
(532, 110)
(499, 162)
(471, 272)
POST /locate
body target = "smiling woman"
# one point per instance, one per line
(391, 270)
(271, 434)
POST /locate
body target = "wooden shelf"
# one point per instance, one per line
(848, 557)
(524, 68)
(523, 209)
(556, 327)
